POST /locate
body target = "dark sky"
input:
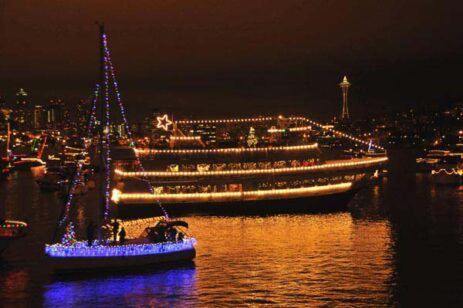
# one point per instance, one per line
(238, 57)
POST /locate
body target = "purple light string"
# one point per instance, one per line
(76, 178)
(124, 118)
(106, 131)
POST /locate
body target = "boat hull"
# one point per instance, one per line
(320, 203)
(108, 263)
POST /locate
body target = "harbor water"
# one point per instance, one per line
(399, 244)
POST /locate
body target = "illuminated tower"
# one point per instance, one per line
(345, 88)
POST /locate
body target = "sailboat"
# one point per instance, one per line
(165, 242)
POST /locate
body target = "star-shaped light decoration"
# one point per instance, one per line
(164, 122)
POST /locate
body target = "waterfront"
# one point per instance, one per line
(401, 244)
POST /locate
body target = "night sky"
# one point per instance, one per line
(224, 58)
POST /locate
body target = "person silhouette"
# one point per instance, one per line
(90, 233)
(122, 235)
(115, 229)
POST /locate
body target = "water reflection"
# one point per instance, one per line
(401, 245)
(166, 288)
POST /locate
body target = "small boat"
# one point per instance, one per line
(108, 255)
(160, 244)
(25, 163)
(11, 230)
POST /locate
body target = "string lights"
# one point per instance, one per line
(185, 138)
(452, 171)
(77, 175)
(228, 150)
(80, 249)
(300, 118)
(109, 64)
(290, 129)
(118, 196)
(358, 162)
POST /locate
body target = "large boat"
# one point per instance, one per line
(160, 244)
(10, 231)
(275, 164)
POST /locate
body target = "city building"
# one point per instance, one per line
(21, 111)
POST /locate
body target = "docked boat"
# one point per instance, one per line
(429, 161)
(161, 243)
(10, 231)
(23, 162)
(26, 163)
(448, 171)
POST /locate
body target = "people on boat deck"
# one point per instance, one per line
(162, 232)
(90, 233)
(115, 229)
(171, 234)
(122, 235)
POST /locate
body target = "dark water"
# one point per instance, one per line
(401, 244)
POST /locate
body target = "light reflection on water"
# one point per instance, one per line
(400, 244)
(165, 288)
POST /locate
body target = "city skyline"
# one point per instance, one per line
(261, 55)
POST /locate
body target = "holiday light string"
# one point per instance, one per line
(76, 178)
(106, 132)
(453, 171)
(228, 150)
(330, 165)
(124, 118)
(262, 119)
(118, 196)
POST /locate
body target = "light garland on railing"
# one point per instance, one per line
(352, 163)
(80, 249)
(350, 137)
(119, 196)
(228, 150)
(240, 120)
(452, 171)
(290, 129)
(13, 224)
(185, 138)
(300, 118)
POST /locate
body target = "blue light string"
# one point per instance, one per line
(76, 178)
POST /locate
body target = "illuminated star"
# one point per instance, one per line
(163, 122)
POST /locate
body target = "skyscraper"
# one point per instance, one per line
(21, 112)
(57, 115)
(345, 88)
